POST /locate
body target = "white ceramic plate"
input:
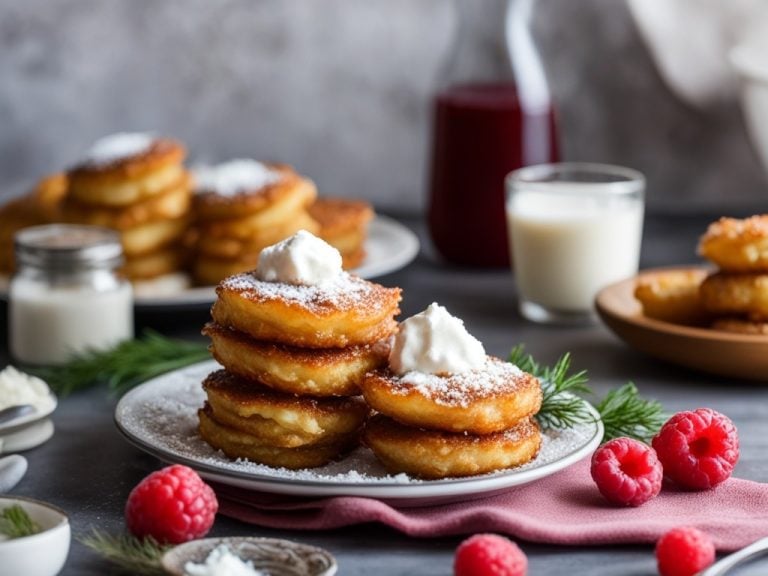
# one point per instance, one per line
(389, 246)
(160, 417)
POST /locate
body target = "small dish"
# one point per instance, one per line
(42, 554)
(712, 351)
(276, 557)
(37, 415)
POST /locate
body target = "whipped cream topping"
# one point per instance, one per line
(118, 146)
(434, 342)
(302, 259)
(222, 562)
(234, 177)
(17, 387)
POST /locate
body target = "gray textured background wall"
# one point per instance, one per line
(340, 89)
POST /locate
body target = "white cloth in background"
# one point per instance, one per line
(690, 39)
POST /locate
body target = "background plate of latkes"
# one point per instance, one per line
(704, 349)
(160, 417)
(389, 246)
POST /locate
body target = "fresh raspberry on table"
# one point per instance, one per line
(626, 471)
(698, 449)
(684, 551)
(489, 555)
(172, 505)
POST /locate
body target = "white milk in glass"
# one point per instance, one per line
(568, 243)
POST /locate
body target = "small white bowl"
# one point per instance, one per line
(42, 554)
(276, 557)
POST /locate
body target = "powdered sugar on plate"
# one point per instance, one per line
(160, 417)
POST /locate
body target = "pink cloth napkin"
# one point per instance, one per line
(565, 508)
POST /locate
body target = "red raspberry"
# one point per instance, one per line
(489, 555)
(172, 505)
(626, 471)
(684, 551)
(698, 449)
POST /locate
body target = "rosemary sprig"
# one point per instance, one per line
(124, 366)
(623, 411)
(133, 555)
(561, 407)
(15, 522)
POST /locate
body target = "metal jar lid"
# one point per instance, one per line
(72, 247)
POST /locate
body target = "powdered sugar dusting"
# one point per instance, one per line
(118, 147)
(234, 177)
(495, 377)
(343, 292)
(162, 415)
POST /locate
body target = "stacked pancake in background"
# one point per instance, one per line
(40, 206)
(295, 337)
(737, 294)
(445, 409)
(241, 207)
(136, 184)
(344, 225)
(734, 297)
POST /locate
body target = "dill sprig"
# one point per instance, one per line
(623, 411)
(131, 554)
(127, 364)
(15, 522)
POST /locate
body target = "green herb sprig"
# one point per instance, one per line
(131, 554)
(15, 522)
(623, 411)
(124, 366)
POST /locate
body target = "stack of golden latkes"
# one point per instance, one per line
(344, 225)
(734, 297)
(293, 356)
(135, 184)
(209, 226)
(241, 207)
(436, 426)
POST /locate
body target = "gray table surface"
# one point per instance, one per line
(88, 469)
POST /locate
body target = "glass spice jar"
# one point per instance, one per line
(66, 296)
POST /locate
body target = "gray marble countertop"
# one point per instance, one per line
(88, 469)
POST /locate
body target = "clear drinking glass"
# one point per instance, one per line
(573, 229)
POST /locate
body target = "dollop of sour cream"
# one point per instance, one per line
(221, 562)
(302, 259)
(234, 177)
(118, 146)
(435, 342)
(17, 388)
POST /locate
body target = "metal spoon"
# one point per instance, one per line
(14, 412)
(722, 566)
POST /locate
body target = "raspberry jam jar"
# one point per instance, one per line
(492, 114)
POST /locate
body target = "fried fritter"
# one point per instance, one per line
(433, 455)
(737, 245)
(483, 401)
(314, 372)
(348, 312)
(672, 296)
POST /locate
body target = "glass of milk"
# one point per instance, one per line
(573, 229)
